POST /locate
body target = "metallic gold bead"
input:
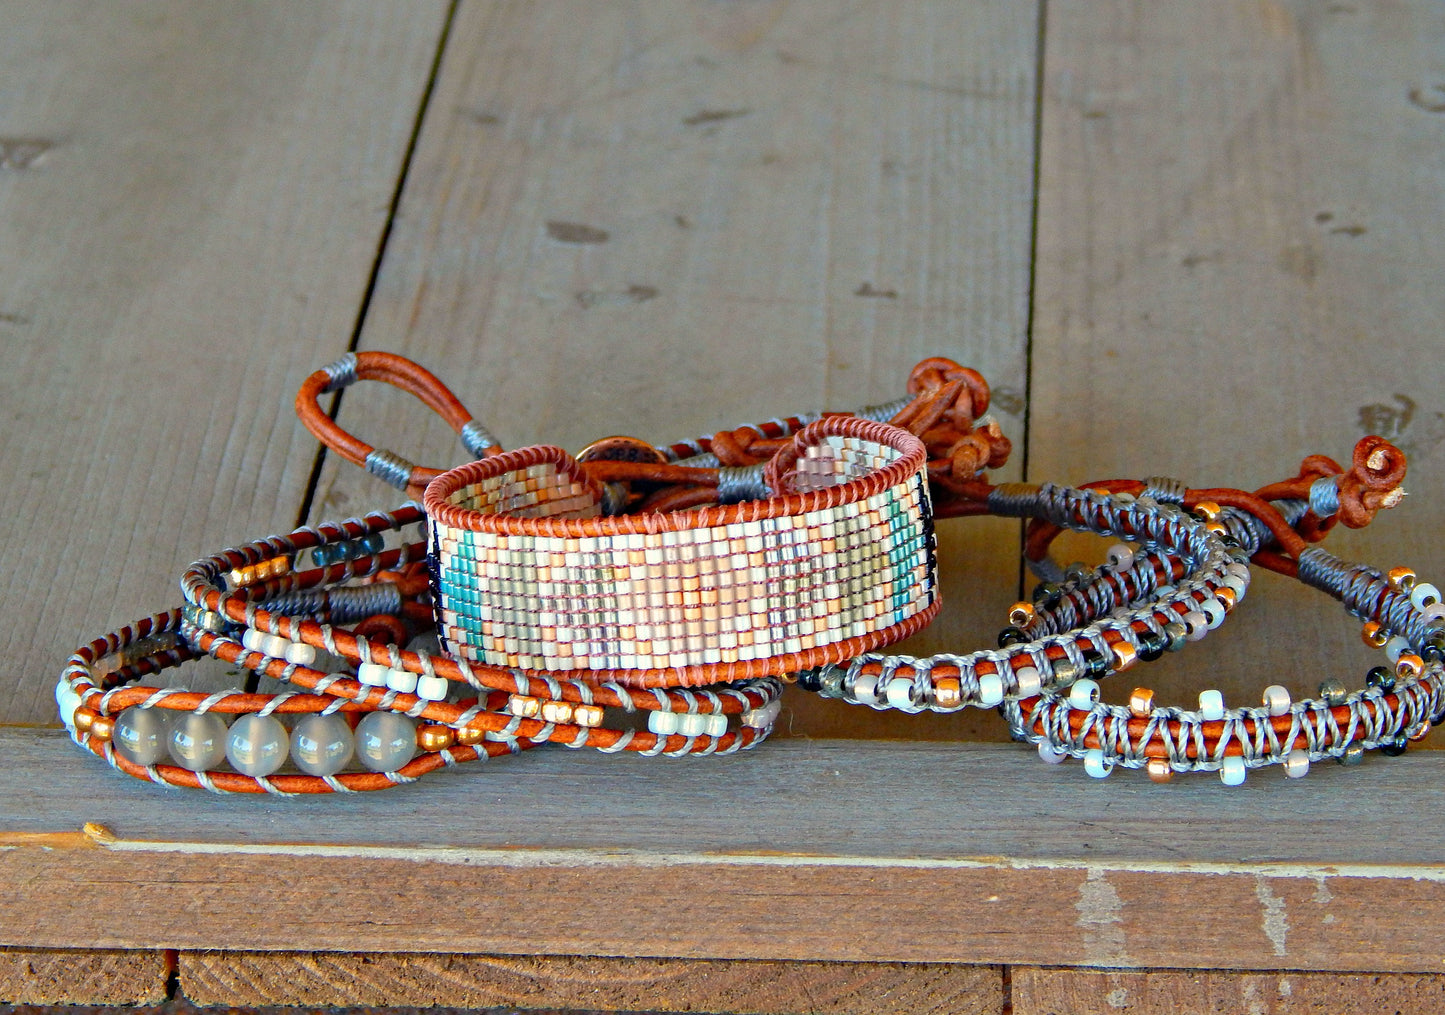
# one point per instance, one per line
(1218, 528)
(947, 692)
(1409, 666)
(102, 727)
(1141, 702)
(1208, 510)
(1402, 578)
(524, 706)
(1125, 655)
(435, 738)
(1021, 614)
(84, 717)
(1227, 596)
(556, 711)
(1374, 635)
(470, 736)
(587, 715)
(1159, 770)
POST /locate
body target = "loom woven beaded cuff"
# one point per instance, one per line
(529, 574)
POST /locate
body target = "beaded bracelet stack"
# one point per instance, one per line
(565, 593)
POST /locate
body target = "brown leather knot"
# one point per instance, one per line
(1373, 483)
(944, 392)
(731, 447)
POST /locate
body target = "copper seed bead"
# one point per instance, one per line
(1227, 596)
(947, 692)
(470, 736)
(587, 715)
(1141, 702)
(1218, 528)
(1021, 614)
(1159, 770)
(102, 727)
(435, 738)
(1207, 509)
(1374, 634)
(1125, 655)
(1402, 578)
(84, 717)
(1409, 666)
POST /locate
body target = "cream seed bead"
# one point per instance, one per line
(1051, 754)
(322, 744)
(1083, 693)
(67, 701)
(1396, 647)
(432, 688)
(1214, 612)
(1297, 764)
(300, 653)
(692, 724)
(1232, 771)
(142, 735)
(664, 724)
(717, 724)
(251, 639)
(1276, 699)
(1120, 557)
(761, 718)
(1030, 684)
(1196, 624)
(1211, 705)
(386, 741)
(1096, 764)
(1435, 611)
(256, 744)
(990, 690)
(900, 693)
(372, 674)
(401, 681)
(198, 741)
(275, 646)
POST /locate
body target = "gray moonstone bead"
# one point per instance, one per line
(322, 744)
(385, 741)
(198, 742)
(256, 744)
(141, 735)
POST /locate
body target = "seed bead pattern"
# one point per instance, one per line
(528, 576)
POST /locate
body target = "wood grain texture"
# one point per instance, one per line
(664, 219)
(1238, 265)
(1180, 992)
(801, 851)
(187, 225)
(598, 984)
(64, 976)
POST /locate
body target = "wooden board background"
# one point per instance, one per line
(1198, 239)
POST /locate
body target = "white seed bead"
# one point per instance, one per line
(275, 646)
(1232, 771)
(1214, 612)
(300, 653)
(900, 693)
(198, 742)
(1121, 557)
(432, 688)
(1240, 571)
(761, 718)
(1029, 682)
(1051, 754)
(1435, 612)
(1238, 586)
(372, 674)
(1211, 705)
(717, 724)
(401, 681)
(1276, 699)
(252, 639)
(256, 744)
(664, 724)
(67, 701)
(1396, 647)
(1196, 624)
(1083, 693)
(990, 690)
(1096, 764)
(1424, 595)
(385, 741)
(322, 744)
(142, 735)
(692, 724)
(1297, 764)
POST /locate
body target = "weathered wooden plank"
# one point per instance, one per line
(664, 219)
(67, 976)
(1238, 264)
(1180, 992)
(790, 852)
(595, 984)
(190, 205)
